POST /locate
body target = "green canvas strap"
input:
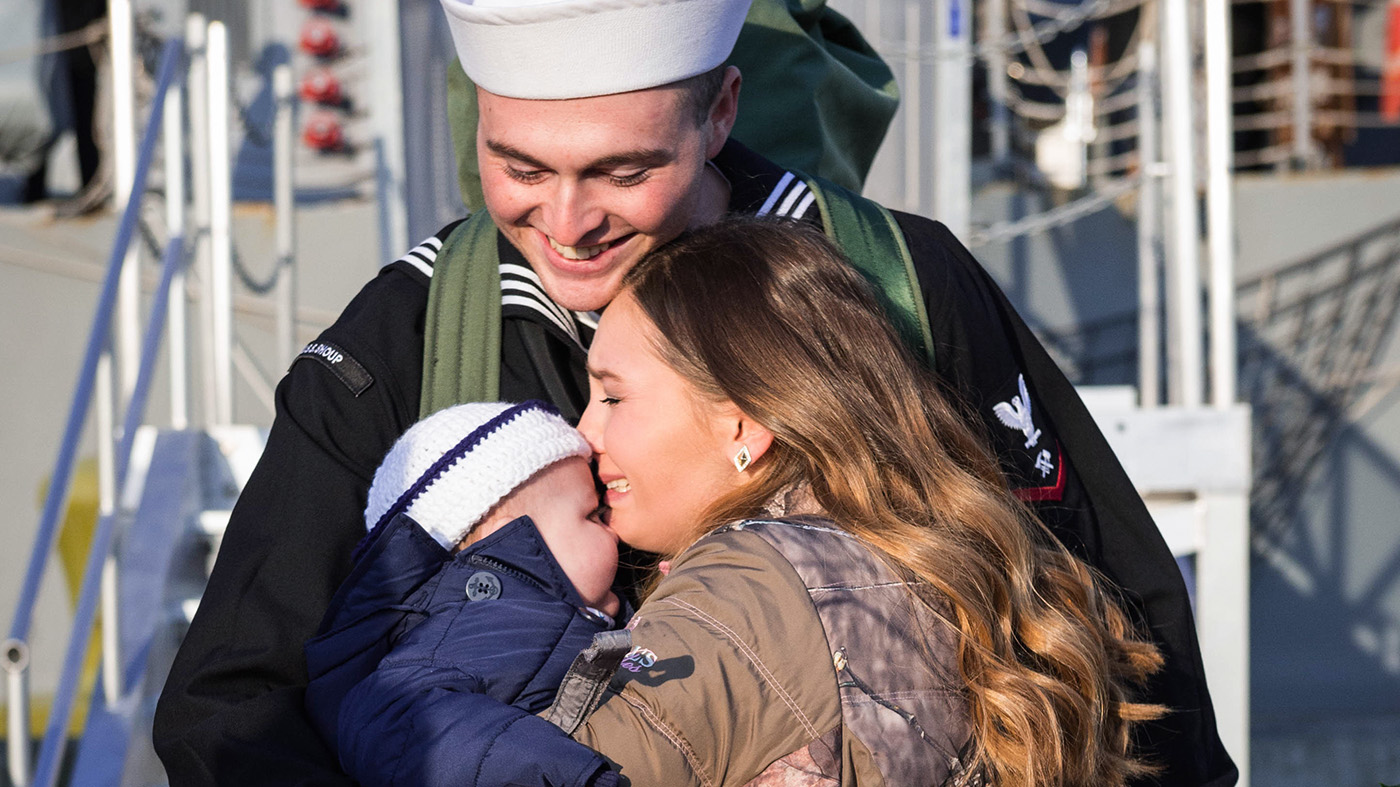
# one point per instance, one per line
(462, 335)
(869, 236)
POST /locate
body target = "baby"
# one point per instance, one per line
(486, 570)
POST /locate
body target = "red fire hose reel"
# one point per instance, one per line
(319, 39)
(324, 133)
(324, 129)
(320, 86)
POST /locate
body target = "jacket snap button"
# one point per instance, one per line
(483, 586)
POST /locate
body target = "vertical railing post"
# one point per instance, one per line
(14, 658)
(220, 221)
(912, 96)
(112, 688)
(1149, 228)
(1300, 15)
(1184, 348)
(1079, 113)
(197, 80)
(994, 27)
(1220, 203)
(387, 117)
(178, 324)
(952, 98)
(122, 45)
(1223, 563)
(106, 507)
(284, 196)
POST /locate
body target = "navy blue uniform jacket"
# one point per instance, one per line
(417, 680)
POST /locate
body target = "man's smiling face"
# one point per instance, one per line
(585, 187)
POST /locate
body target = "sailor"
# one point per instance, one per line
(604, 132)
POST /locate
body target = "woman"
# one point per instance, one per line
(884, 609)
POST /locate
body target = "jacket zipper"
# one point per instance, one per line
(496, 565)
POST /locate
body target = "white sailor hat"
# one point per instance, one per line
(550, 49)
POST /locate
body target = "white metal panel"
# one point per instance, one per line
(1192, 467)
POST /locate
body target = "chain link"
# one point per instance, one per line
(1050, 219)
(254, 133)
(148, 237)
(246, 277)
(1015, 43)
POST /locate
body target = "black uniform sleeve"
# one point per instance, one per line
(232, 708)
(1057, 459)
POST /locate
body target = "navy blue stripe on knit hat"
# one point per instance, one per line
(450, 469)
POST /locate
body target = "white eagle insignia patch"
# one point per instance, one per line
(1017, 413)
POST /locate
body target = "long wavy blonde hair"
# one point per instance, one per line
(769, 316)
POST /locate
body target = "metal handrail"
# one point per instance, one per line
(87, 375)
(14, 655)
(1300, 266)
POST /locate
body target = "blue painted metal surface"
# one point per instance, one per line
(115, 747)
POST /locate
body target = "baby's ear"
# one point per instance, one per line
(468, 538)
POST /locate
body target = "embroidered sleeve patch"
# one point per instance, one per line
(1030, 455)
(346, 369)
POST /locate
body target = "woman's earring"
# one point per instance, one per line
(743, 459)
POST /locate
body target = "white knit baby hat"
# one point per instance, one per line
(550, 49)
(449, 469)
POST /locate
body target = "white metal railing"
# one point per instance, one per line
(98, 579)
(107, 385)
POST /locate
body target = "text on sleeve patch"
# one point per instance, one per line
(346, 369)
